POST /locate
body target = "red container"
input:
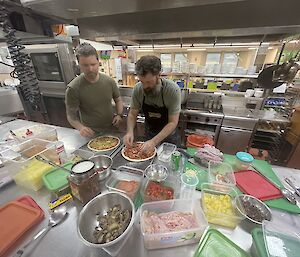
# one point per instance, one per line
(199, 141)
(252, 183)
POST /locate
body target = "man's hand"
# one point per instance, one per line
(86, 132)
(116, 120)
(128, 139)
(148, 146)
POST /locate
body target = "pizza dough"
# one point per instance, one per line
(133, 154)
(103, 143)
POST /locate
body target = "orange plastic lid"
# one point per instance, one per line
(199, 141)
(15, 219)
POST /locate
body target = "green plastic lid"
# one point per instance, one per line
(214, 244)
(56, 179)
(259, 242)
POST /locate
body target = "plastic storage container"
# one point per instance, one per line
(221, 173)
(79, 155)
(125, 182)
(40, 131)
(214, 244)
(56, 180)
(281, 240)
(243, 161)
(258, 248)
(173, 238)
(158, 191)
(22, 165)
(164, 152)
(219, 205)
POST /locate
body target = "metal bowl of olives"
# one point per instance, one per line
(254, 210)
(106, 220)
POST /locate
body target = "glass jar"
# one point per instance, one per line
(83, 180)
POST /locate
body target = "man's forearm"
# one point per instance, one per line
(131, 121)
(119, 107)
(75, 123)
(165, 132)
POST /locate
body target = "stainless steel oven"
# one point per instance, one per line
(200, 122)
(55, 66)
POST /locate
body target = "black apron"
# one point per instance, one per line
(156, 118)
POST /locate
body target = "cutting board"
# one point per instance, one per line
(264, 168)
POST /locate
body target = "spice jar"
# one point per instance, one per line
(83, 180)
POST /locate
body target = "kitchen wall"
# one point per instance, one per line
(246, 56)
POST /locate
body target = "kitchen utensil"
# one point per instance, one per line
(253, 183)
(258, 205)
(191, 157)
(265, 78)
(99, 206)
(188, 186)
(288, 195)
(156, 172)
(56, 218)
(292, 185)
(103, 165)
(16, 219)
(214, 243)
(44, 160)
(265, 168)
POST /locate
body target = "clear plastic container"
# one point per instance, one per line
(281, 239)
(243, 161)
(188, 186)
(158, 191)
(40, 131)
(219, 205)
(214, 244)
(221, 173)
(79, 155)
(125, 182)
(173, 238)
(164, 152)
(22, 165)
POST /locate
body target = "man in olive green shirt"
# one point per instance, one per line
(160, 101)
(91, 94)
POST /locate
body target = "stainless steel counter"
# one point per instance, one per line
(63, 241)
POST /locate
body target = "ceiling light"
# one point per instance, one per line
(144, 50)
(196, 49)
(252, 48)
(270, 48)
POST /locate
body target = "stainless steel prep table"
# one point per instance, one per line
(63, 241)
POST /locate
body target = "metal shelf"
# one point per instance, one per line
(268, 131)
(254, 76)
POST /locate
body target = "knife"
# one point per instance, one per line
(292, 185)
(191, 157)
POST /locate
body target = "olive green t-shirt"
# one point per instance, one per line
(171, 95)
(92, 100)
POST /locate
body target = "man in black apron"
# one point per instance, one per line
(159, 100)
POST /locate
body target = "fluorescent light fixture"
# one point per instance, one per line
(252, 48)
(144, 50)
(294, 41)
(270, 48)
(196, 49)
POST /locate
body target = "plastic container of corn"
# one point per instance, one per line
(219, 205)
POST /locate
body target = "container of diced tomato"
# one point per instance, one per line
(158, 191)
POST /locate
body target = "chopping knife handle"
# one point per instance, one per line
(291, 184)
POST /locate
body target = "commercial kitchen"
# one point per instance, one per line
(229, 185)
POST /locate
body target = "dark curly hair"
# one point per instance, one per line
(86, 49)
(148, 64)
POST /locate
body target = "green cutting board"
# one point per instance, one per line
(263, 167)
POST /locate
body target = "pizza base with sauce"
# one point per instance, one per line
(103, 143)
(134, 154)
